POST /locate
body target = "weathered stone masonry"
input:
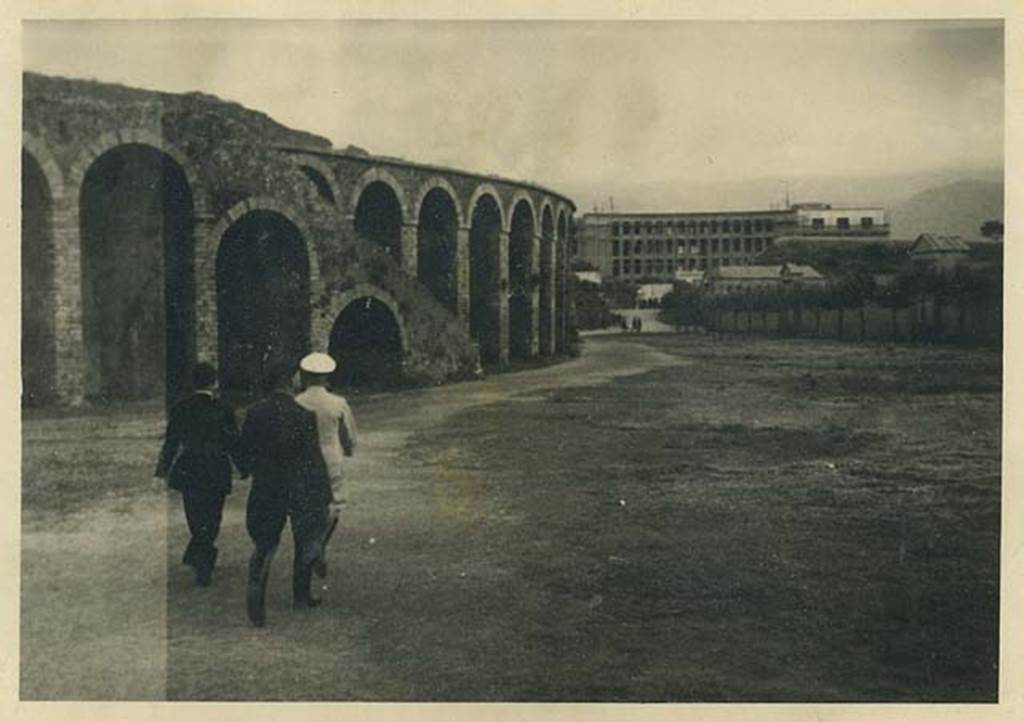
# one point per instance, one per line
(159, 229)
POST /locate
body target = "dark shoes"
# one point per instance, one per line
(203, 567)
(319, 565)
(255, 605)
(256, 590)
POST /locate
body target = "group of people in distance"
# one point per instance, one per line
(291, 445)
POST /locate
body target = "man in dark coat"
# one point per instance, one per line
(201, 441)
(280, 447)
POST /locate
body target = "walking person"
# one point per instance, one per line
(280, 448)
(198, 449)
(336, 427)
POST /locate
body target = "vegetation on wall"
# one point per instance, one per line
(438, 346)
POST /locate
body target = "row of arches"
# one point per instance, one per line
(379, 193)
(136, 222)
(379, 217)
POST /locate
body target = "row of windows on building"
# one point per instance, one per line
(743, 287)
(635, 228)
(656, 266)
(695, 245)
(843, 222)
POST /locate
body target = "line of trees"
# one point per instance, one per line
(591, 306)
(963, 287)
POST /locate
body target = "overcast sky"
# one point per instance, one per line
(586, 104)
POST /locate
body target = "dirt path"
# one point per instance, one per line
(108, 612)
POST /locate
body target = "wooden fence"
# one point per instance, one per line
(923, 321)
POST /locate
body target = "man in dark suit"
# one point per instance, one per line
(280, 447)
(201, 441)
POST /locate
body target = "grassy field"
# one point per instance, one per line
(741, 520)
(770, 521)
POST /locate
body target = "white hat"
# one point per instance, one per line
(318, 363)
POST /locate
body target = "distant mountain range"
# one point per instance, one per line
(954, 209)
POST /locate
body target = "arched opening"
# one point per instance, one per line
(323, 188)
(520, 257)
(37, 329)
(435, 249)
(547, 259)
(560, 318)
(263, 310)
(378, 218)
(367, 344)
(137, 290)
(484, 245)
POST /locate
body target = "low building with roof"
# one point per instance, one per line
(939, 252)
(746, 279)
(800, 273)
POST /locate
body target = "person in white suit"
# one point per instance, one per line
(336, 427)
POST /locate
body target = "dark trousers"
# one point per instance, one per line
(203, 512)
(308, 527)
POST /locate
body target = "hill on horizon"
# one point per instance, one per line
(957, 209)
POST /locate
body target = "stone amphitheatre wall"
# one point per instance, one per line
(159, 229)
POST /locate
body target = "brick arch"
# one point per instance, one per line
(329, 314)
(562, 220)
(39, 268)
(547, 205)
(521, 195)
(372, 175)
(324, 170)
(140, 136)
(438, 182)
(480, 191)
(547, 265)
(40, 151)
(561, 266)
(272, 205)
(523, 258)
(69, 246)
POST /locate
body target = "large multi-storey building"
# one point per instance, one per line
(657, 246)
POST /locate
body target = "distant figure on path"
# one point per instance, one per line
(280, 447)
(201, 441)
(336, 427)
